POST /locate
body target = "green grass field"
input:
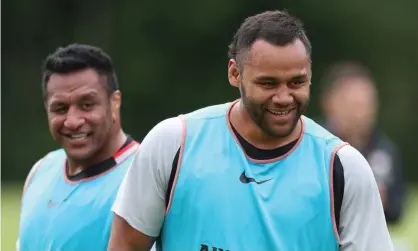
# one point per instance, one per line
(406, 232)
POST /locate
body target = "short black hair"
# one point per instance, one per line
(76, 57)
(275, 27)
(341, 70)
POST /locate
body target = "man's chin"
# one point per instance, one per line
(80, 155)
(283, 130)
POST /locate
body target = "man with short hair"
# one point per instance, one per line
(350, 103)
(254, 174)
(68, 194)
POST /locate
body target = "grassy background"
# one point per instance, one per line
(404, 234)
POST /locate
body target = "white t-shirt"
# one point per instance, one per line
(141, 200)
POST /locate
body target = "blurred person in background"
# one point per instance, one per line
(254, 174)
(68, 193)
(350, 104)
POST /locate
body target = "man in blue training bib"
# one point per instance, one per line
(68, 194)
(254, 174)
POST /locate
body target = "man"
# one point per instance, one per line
(253, 174)
(350, 105)
(67, 198)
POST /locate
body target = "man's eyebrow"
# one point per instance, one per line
(266, 78)
(89, 94)
(300, 77)
(58, 99)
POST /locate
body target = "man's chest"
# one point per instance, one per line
(54, 212)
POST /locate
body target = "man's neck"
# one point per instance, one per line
(111, 146)
(246, 127)
(359, 142)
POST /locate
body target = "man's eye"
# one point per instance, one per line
(86, 106)
(298, 82)
(58, 109)
(267, 83)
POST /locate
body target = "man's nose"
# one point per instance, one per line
(282, 96)
(74, 120)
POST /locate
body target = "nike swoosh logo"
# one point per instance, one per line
(244, 179)
(52, 204)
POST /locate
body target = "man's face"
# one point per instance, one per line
(352, 106)
(80, 115)
(274, 85)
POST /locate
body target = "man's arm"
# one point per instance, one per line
(387, 167)
(28, 181)
(362, 223)
(126, 238)
(30, 176)
(140, 204)
(395, 193)
(386, 162)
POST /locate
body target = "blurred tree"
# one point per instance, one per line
(171, 58)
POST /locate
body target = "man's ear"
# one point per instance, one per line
(234, 74)
(115, 103)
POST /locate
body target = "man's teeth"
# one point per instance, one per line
(279, 113)
(78, 136)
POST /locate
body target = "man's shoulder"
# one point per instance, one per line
(356, 168)
(52, 156)
(44, 164)
(55, 153)
(318, 131)
(174, 127)
(163, 138)
(209, 112)
(166, 128)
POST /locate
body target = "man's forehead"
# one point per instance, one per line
(79, 83)
(264, 56)
(354, 84)
(280, 71)
(68, 96)
(80, 75)
(74, 80)
(262, 49)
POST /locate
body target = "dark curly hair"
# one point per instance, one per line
(76, 57)
(276, 27)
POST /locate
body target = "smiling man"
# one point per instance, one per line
(69, 192)
(254, 174)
